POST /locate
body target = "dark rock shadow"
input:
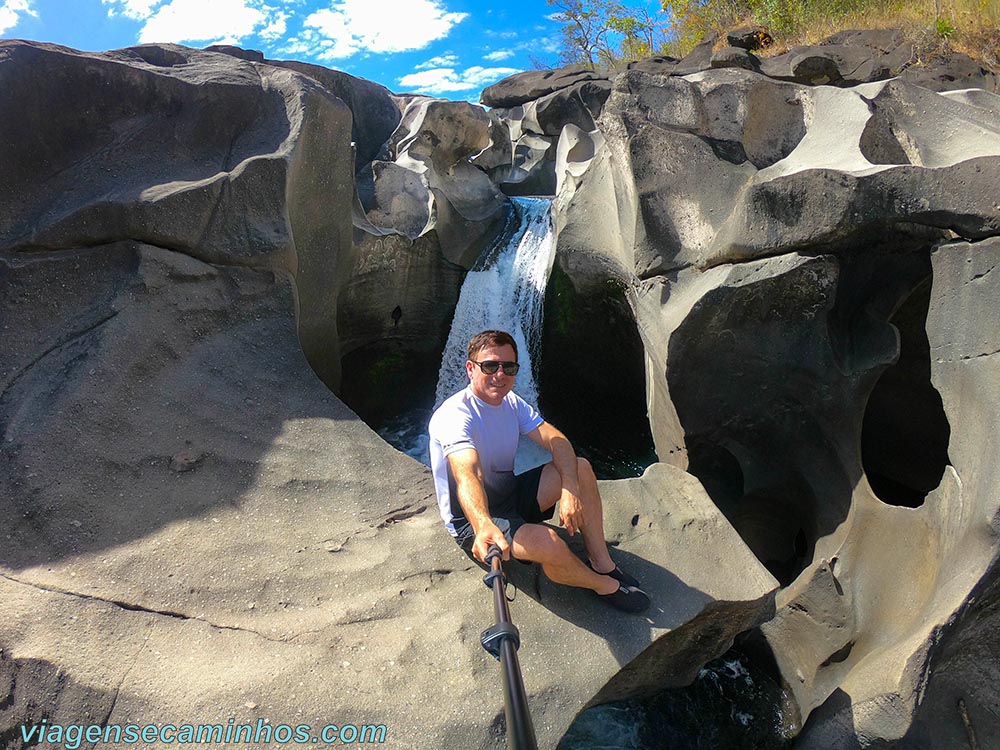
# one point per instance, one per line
(787, 452)
(664, 646)
(35, 690)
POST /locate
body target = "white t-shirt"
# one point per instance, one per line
(466, 421)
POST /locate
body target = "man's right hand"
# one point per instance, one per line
(489, 535)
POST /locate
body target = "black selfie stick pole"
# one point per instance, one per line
(502, 640)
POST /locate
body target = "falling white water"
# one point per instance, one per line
(506, 294)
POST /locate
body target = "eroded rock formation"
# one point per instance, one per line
(798, 282)
(792, 256)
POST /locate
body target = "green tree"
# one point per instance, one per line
(604, 33)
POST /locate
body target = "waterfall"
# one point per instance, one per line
(505, 290)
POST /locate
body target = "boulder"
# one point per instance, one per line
(698, 59)
(576, 105)
(840, 193)
(660, 65)
(496, 158)
(817, 66)
(521, 88)
(690, 141)
(882, 41)
(250, 55)
(197, 152)
(735, 57)
(431, 182)
(375, 115)
(749, 38)
(952, 72)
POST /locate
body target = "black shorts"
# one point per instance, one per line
(511, 512)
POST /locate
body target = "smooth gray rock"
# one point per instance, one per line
(298, 544)
(841, 193)
(927, 662)
(532, 171)
(375, 115)
(186, 150)
(735, 57)
(577, 105)
(691, 140)
(698, 59)
(431, 183)
(521, 88)
(809, 356)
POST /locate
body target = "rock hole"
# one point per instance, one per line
(905, 433)
(591, 375)
(839, 655)
(635, 520)
(777, 521)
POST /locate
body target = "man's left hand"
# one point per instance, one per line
(570, 511)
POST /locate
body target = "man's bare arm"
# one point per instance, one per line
(564, 459)
(468, 474)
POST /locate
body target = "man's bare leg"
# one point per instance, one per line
(549, 490)
(541, 544)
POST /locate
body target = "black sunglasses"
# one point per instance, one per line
(490, 367)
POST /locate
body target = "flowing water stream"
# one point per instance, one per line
(505, 290)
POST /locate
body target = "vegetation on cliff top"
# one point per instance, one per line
(605, 33)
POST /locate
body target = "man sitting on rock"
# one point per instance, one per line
(474, 436)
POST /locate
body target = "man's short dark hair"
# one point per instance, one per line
(491, 338)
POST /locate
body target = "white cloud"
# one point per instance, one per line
(449, 60)
(11, 12)
(355, 26)
(550, 44)
(444, 80)
(276, 28)
(498, 55)
(198, 21)
(138, 10)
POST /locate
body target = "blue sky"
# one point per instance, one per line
(448, 48)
